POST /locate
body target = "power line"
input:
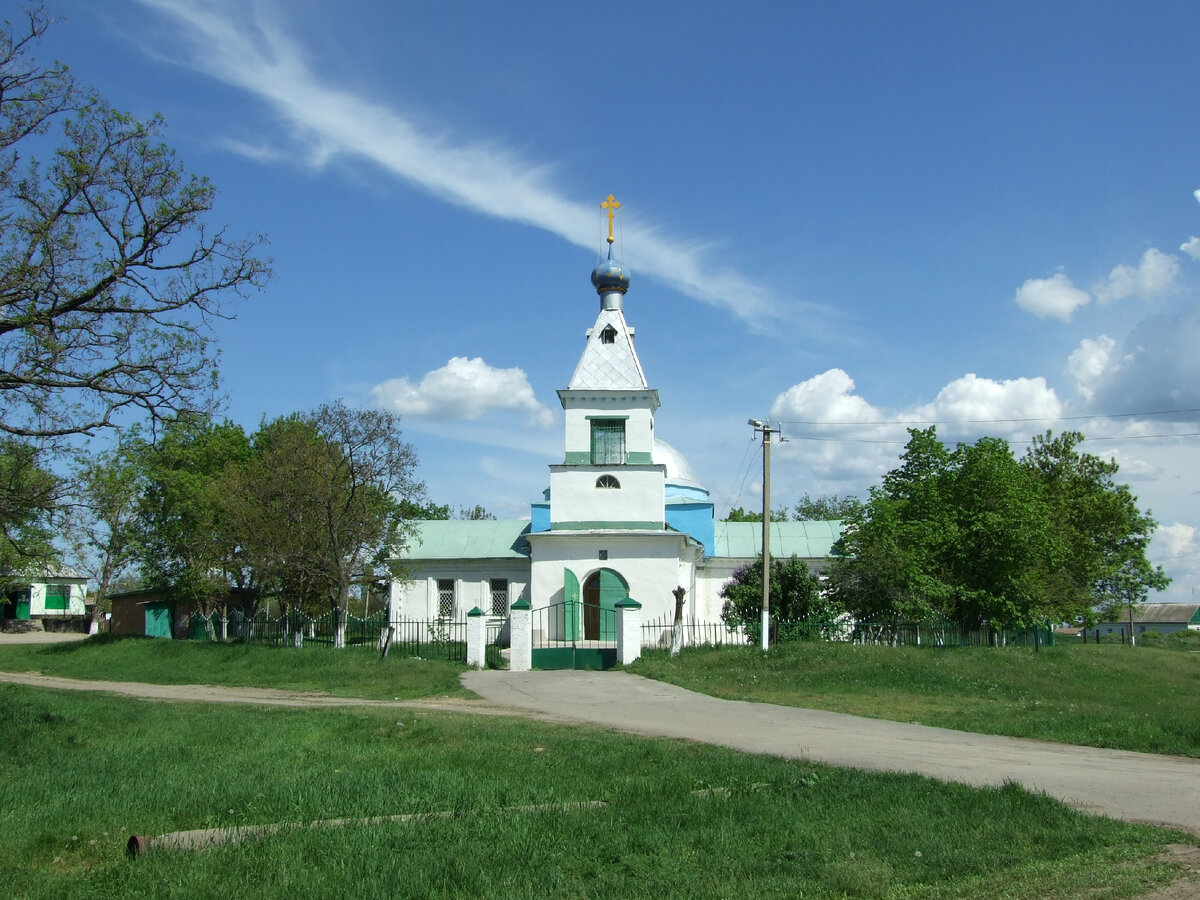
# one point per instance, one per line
(1086, 440)
(1161, 412)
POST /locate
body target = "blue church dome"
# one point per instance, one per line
(610, 276)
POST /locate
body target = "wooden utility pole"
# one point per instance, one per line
(766, 431)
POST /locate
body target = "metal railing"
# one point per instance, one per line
(428, 639)
(659, 633)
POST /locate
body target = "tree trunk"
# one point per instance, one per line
(677, 629)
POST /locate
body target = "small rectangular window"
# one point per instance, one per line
(445, 587)
(58, 596)
(608, 442)
(499, 596)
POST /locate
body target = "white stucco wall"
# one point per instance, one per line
(417, 598)
(652, 564)
(574, 496)
(37, 600)
(639, 424)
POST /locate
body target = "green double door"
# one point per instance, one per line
(600, 595)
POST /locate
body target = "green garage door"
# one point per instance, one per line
(158, 620)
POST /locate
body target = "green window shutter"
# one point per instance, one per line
(608, 442)
(58, 596)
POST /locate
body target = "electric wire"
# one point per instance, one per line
(918, 422)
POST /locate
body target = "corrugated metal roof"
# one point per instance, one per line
(59, 571)
(469, 539)
(808, 540)
(1162, 613)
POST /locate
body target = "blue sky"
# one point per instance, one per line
(846, 217)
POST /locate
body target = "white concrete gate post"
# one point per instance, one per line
(629, 631)
(520, 645)
(476, 639)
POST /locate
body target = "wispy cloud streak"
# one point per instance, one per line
(245, 46)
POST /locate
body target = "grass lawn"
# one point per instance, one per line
(347, 673)
(1100, 695)
(81, 772)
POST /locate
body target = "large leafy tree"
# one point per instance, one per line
(323, 501)
(1103, 534)
(275, 504)
(109, 275)
(977, 536)
(29, 495)
(368, 469)
(187, 545)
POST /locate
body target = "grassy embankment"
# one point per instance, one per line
(1145, 698)
(1107, 695)
(353, 672)
(81, 772)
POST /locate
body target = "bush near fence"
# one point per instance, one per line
(429, 639)
(658, 633)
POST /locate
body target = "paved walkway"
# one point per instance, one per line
(1139, 787)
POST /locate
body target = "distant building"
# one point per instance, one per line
(624, 515)
(1164, 618)
(56, 592)
(152, 613)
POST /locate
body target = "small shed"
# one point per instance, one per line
(148, 613)
(152, 613)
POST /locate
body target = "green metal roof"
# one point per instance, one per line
(505, 539)
(807, 540)
(469, 539)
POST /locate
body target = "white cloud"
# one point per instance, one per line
(1156, 274)
(463, 389)
(241, 45)
(1191, 247)
(1178, 540)
(1087, 364)
(824, 398)
(983, 400)
(866, 440)
(1053, 297)
(1157, 368)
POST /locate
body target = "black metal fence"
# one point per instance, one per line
(425, 639)
(659, 633)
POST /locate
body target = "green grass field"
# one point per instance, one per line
(1107, 695)
(346, 673)
(82, 772)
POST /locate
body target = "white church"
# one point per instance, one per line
(624, 515)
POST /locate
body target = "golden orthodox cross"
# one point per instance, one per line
(612, 205)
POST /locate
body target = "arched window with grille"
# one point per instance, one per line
(608, 481)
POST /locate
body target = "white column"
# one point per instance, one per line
(476, 639)
(629, 631)
(520, 641)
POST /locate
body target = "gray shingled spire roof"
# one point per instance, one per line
(609, 361)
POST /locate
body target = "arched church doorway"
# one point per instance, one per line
(602, 591)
